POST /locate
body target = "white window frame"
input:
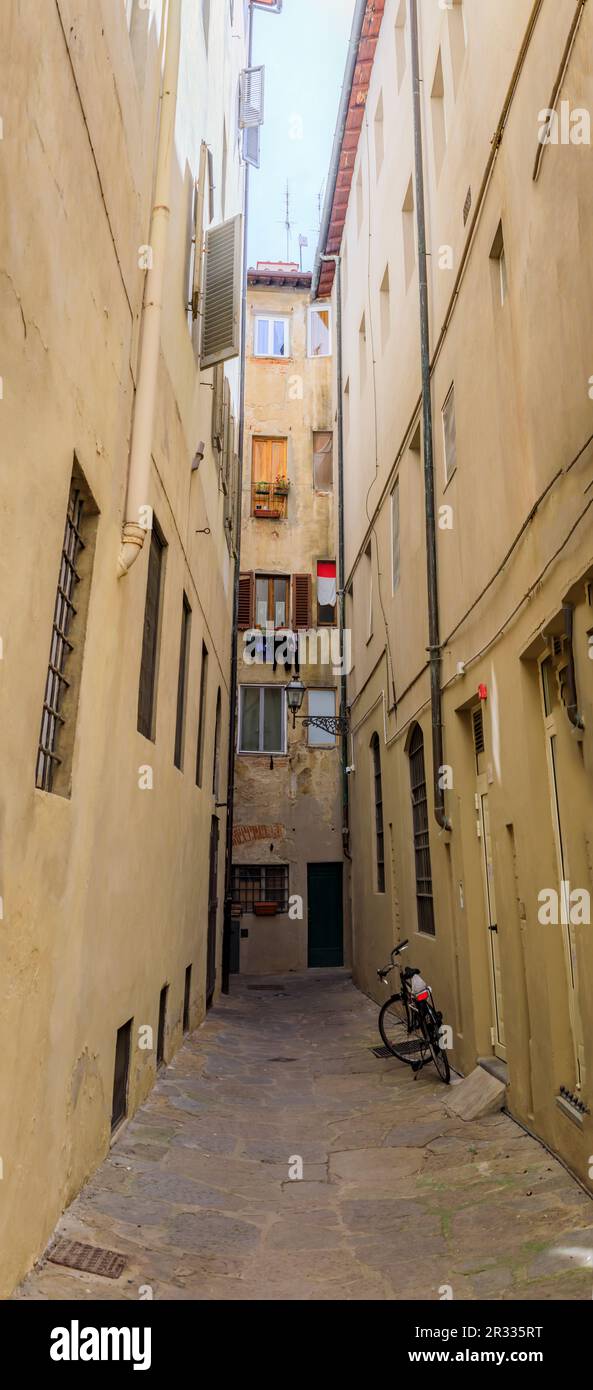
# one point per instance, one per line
(271, 319)
(262, 752)
(129, 7)
(449, 473)
(318, 738)
(313, 309)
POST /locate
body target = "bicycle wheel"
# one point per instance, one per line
(394, 1023)
(439, 1056)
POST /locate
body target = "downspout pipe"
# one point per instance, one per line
(434, 647)
(334, 165)
(572, 708)
(138, 520)
(233, 694)
(341, 552)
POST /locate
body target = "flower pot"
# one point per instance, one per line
(265, 909)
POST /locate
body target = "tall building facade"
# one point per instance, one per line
(122, 203)
(471, 804)
(288, 887)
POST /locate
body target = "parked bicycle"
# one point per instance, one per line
(409, 1023)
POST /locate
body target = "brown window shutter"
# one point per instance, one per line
(246, 596)
(301, 600)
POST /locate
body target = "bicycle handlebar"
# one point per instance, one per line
(402, 946)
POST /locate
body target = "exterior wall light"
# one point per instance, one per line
(331, 723)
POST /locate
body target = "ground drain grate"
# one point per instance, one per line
(404, 1049)
(380, 1052)
(90, 1258)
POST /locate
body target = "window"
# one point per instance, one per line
(395, 536)
(206, 19)
(262, 719)
(385, 305)
(260, 883)
(450, 435)
(150, 640)
(321, 702)
(323, 460)
(420, 830)
(368, 574)
(326, 593)
(497, 256)
(160, 1045)
(271, 337)
(186, 999)
(378, 799)
(379, 140)
(320, 343)
(121, 1069)
(202, 715)
(271, 600)
(408, 233)
(221, 318)
(359, 200)
(400, 43)
(439, 126)
(216, 752)
(362, 351)
(269, 476)
(457, 38)
(182, 682)
(64, 672)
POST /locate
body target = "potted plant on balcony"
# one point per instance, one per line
(262, 489)
(281, 485)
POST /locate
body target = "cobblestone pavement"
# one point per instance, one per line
(397, 1199)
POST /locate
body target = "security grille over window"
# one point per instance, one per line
(260, 883)
(379, 835)
(421, 837)
(57, 684)
(478, 722)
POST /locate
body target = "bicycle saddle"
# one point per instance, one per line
(410, 970)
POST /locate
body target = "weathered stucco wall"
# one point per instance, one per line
(104, 892)
(301, 792)
(520, 368)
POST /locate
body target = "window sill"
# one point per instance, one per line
(266, 358)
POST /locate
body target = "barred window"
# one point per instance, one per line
(260, 883)
(378, 797)
(421, 835)
(62, 685)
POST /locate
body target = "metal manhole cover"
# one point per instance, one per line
(90, 1258)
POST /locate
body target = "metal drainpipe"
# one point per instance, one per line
(434, 648)
(228, 862)
(341, 551)
(572, 707)
(134, 533)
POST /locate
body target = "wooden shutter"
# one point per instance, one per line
(251, 97)
(150, 638)
(301, 600)
(252, 146)
(226, 435)
(222, 293)
(246, 601)
(199, 231)
(218, 407)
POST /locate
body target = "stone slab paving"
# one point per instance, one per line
(397, 1198)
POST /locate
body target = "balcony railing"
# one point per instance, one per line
(269, 501)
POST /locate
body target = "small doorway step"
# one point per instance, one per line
(496, 1067)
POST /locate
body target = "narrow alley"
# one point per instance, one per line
(398, 1200)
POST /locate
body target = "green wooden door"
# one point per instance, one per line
(324, 891)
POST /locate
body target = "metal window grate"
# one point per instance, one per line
(379, 835)
(421, 835)
(478, 727)
(260, 883)
(61, 647)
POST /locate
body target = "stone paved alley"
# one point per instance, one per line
(397, 1198)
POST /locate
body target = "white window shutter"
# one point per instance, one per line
(199, 231)
(222, 293)
(251, 97)
(251, 145)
